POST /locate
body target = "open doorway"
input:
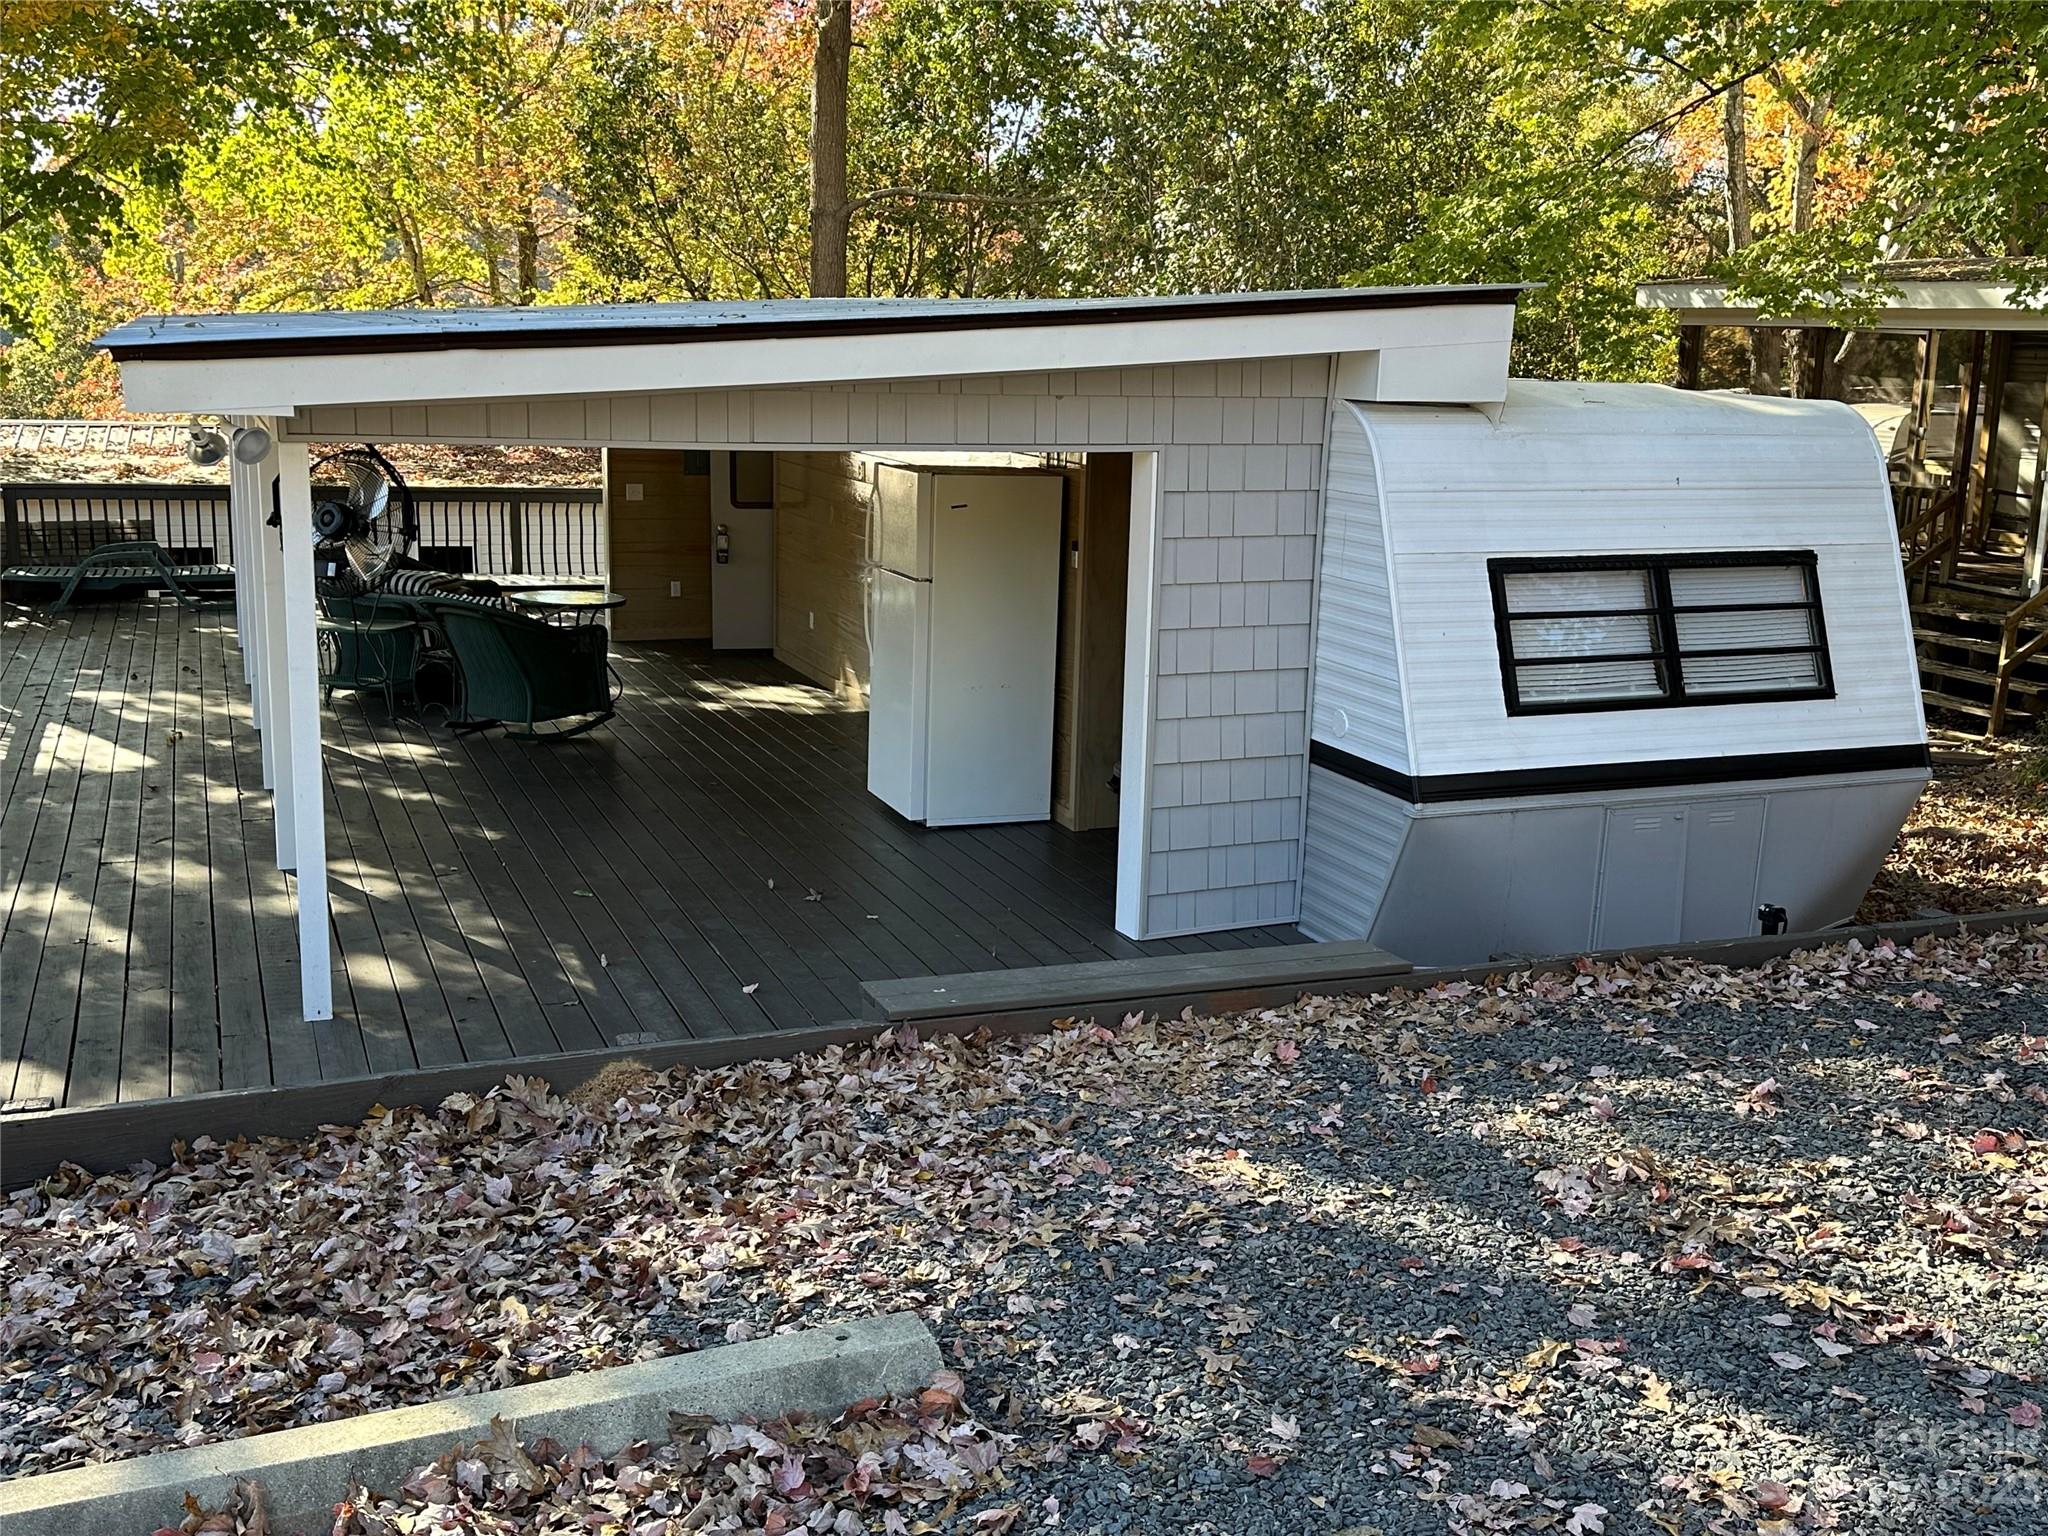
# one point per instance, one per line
(975, 603)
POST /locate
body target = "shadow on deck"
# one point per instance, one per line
(708, 867)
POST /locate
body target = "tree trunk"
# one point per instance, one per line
(1766, 346)
(1735, 140)
(529, 260)
(829, 213)
(1808, 344)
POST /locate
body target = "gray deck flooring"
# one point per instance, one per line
(709, 865)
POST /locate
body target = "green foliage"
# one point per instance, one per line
(688, 158)
(297, 154)
(103, 99)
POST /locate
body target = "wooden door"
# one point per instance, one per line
(658, 507)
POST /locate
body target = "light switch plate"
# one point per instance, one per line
(635, 491)
(675, 589)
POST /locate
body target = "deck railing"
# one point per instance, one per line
(493, 530)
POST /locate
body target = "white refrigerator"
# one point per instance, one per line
(963, 641)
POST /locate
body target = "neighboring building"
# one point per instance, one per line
(1953, 377)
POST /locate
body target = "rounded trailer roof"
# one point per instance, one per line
(1580, 406)
(1551, 435)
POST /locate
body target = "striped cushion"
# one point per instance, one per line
(419, 583)
(476, 600)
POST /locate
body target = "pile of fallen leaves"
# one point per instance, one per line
(515, 1235)
(1976, 842)
(495, 1240)
(904, 1464)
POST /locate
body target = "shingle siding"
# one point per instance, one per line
(1241, 453)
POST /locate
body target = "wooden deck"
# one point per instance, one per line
(709, 866)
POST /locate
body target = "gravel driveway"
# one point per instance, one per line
(1669, 1248)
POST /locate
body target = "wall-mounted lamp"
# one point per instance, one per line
(205, 447)
(208, 445)
(251, 444)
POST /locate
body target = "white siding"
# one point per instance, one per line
(1358, 664)
(1240, 447)
(1622, 469)
(1357, 835)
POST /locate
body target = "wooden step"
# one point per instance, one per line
(1956, 605)
(1106, 989)
(2012, 594)
(1979, 710)
(2031, 673)
(1960, 673)
(1963, 642)
(1982, 676)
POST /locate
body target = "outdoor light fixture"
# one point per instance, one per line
(206, 446)
(251, 444)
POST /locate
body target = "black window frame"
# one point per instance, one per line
(1667, 656)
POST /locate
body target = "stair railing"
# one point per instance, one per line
(1932, 537)
(2012, 655)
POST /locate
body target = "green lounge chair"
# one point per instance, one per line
(513, 668)
(133, 563)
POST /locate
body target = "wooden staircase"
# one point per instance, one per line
(1983, 648)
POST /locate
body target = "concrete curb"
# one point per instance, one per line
(304, 1472)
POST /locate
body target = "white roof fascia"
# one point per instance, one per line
(408, 377)
(1916, 306)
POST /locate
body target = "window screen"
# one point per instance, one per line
(1637, 632)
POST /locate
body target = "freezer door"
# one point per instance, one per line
(899, 626)
(994, 647)
(899, 537)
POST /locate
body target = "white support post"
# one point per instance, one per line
(296, 641)
(268, 591)
(244, 529)
(1141, 661)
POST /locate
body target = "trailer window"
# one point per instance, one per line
(1637, 632)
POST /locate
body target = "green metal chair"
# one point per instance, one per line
(371, 642)
(513, 668)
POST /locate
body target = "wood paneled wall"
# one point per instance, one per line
(1088, 702)
(821, 511)
(661, 536)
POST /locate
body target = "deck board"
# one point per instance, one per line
(708, 867)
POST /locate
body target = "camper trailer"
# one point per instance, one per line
(1603, 665)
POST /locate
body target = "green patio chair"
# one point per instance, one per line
(513, 668)
(370, 642)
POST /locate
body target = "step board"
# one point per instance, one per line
(1983, 677)
(1934, 699)
(1983, 643)
(1216, 982)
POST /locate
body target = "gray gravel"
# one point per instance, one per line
(1641, 1249)
(1397, 1273)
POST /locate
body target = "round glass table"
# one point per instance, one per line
(565, 605)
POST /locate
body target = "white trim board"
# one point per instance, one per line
(524, 373)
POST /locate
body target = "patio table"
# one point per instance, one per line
(566, 605)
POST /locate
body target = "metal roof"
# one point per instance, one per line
(329, 333)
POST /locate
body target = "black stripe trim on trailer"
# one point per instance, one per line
(1584, 777)
(159, 338)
